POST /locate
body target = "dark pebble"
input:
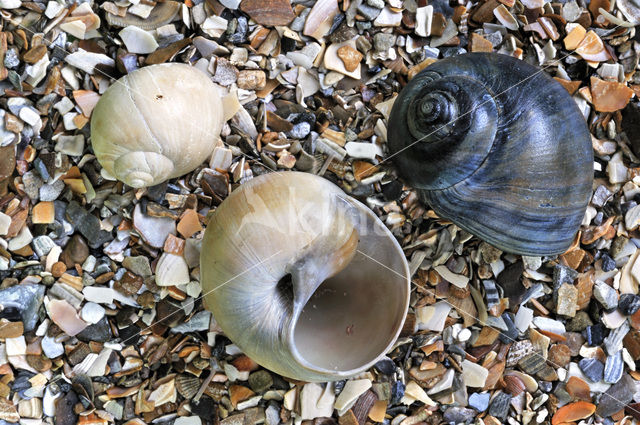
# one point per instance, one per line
(592, 368)
(99, 332)
(629, 304)
(205, 407)
(499, 406)
(563, 274)
(397, 392)
(385, 366)
(616, 397)
(22, 301)
(512, 332)
(608, 263)
(65, 414)
(596, 334)
(459, 415)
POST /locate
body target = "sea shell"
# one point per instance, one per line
(499, 148)
(307, 281)
(156, 123)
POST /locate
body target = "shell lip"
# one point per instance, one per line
(335, 374)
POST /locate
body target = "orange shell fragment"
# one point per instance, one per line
(591, 48)
(609, 96)
(573, 412)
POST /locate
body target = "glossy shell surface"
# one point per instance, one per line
(499, 148)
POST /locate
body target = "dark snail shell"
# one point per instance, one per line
(498, 147)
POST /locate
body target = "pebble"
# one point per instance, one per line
(549, 325)
(363, 150)
(567, 303)
(92, 312)
(459, 415)
(24, 299)
(613, 368)
(138, 265)
(370, 13)
(616, 397)
(592, 369)
(383, 41)
(499, 406)
(479, 401)
(606, 295)
(51, 348)
(629, 304)
(251, 79)
(316, 401)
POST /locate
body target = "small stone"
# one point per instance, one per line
(98, 332)
(613, 368)
(350, 57)
(226, 74)
(559, 355)
(363, 150)
(606, 295)
(138, 265)
(92, 312)
(50, 192)
(532, 363)
(595, 334)
(458, 415)
(567, 303)
(563, 274)
(316, 401)
(629, 304)
(370, 13)
(268, 12)
(66, 317)
(592, 369)
(383, 41)
(386, 366)
(616, 397)
(609, 96)
(499, 406)
(260, 381)
(479, 401)
(351, 391)
(252, 79)
(22, 302)
(75, 252)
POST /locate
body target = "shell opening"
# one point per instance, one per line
(354, 316)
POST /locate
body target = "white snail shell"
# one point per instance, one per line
(307, 281)
(156, 123)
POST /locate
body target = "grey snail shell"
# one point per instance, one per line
(306, 280)
(499, 148)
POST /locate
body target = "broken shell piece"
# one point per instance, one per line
(320, 18)
(138, 40)
(333, 62)
(66, 317)
(160, 15)
(171, 270)
(388, 18)
(591, 48)
(424, 17)
(505, 17)
(630, 9)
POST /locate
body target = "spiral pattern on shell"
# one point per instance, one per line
(499, 148)
(305, 280)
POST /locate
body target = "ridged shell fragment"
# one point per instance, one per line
(162, 14)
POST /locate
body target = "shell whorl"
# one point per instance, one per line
(140, 169)
(514, 165)
(445, 114)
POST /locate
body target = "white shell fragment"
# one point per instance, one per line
(138, 40)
